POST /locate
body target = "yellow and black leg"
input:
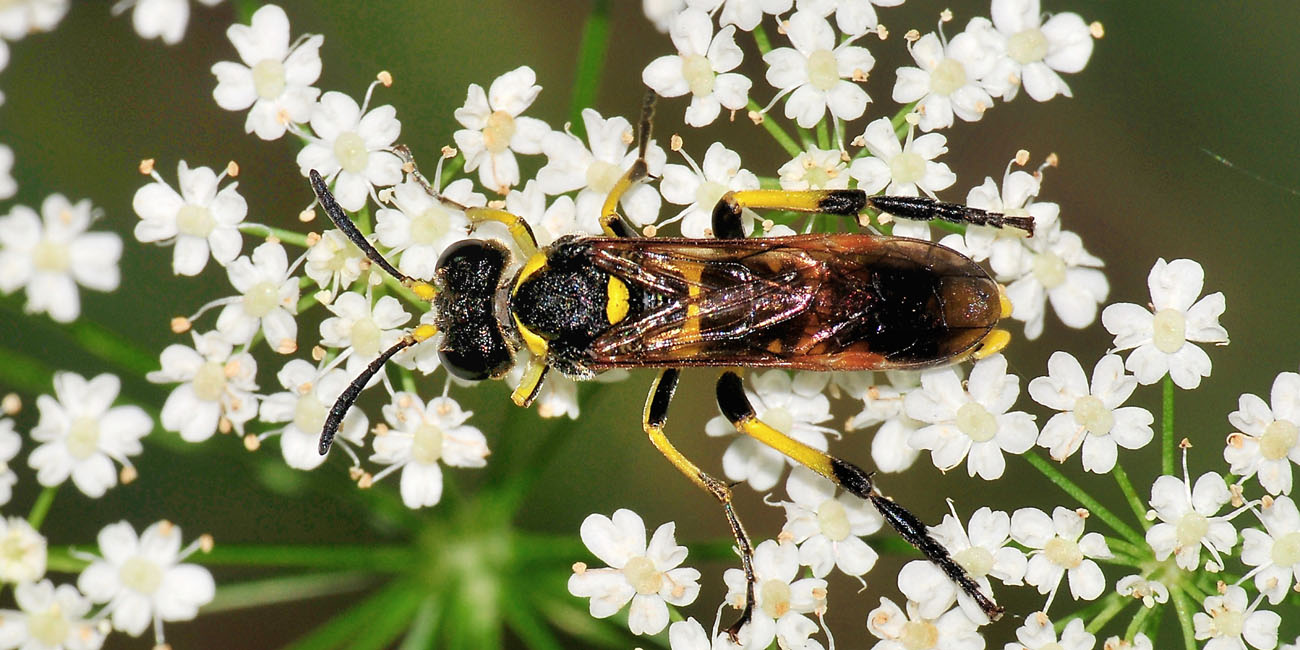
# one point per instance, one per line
(653, 420)
(736, 407)
(851, 203)
(610, 221)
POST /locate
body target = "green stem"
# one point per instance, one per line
(1167, 426)
(823, 135)
(288, 589)
(42, 506)
(377, 559)
(424, 628)
(1071, 488)
(773, 129)
(1134, 502)
(345, 627)
(591, 62)
(761, 40)
(285, 236)
(1115, 604)
(1138, 622)
(1183, 607)
(1135, 551)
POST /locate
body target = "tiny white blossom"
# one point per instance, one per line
(333, 262)
(701, 67)
(10, 444)
(305, 404)
(690, 635)
(1054, 268)
(1140, 642)
(1267, 440)
(269, 298)
(828, 529)
(818, 73)
(744, 14)
(1030, 52)
(8, 186)
(22, 17)
(883, 404)
(1038, 633)
(549, 222)
(902, 169)
(571, 165)
(926, 585)
(947, 81)
(216, 387)
(1163, 339)
(1003, 247)
(52, 253)
(49, 618)
(1188, 520)
(700, 187)
(1091, 417)
(647, 575)
(781, 600)
(495, 130)
(350, 147)
(22, 551)
(363, 330)
(162, 19)
(1149, 592)
(983, 552)
(420, 227)
(814, 169)
(661, 12)
(795, 407)
(420, 437)
(915, 631)
(202, 217)
(1274, 551)
(971, 421)
(142, 579)
(1229, 620)
(82, 433)
(274, 82)
(1060, 548)
(853, 17)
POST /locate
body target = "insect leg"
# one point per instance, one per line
(727, 213)
(653, 419)
(610, 221)
(531, 383)
(736, 407)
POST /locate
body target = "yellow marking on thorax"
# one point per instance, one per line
(531, 267)
(536, 344)
(616, 305)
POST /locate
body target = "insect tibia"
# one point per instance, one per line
(926, 209)
(349, 395)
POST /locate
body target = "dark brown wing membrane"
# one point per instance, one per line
(824, 302)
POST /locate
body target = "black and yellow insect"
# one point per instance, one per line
(584, 305)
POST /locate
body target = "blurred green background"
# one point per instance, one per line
(85, 103)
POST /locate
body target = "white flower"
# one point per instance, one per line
(549, 222)
(1188, 520)
(1228, 620)
(1265, 442)
(814, 169)
(420, 437)
(10, 444)
(781, 600)
(198, 218)
(793, 407)
(351, 148)
(1140, 642)
(650, 576)
(690, 635)
(8, 186)
(702, 67)
(972, 420)
(142, 579)
(744, 14)
(22, 551)
(926, 585)
(570, 166)
(1003, 246)
(699, 188)
(982, 551)
(1274, 551)
(853, 17)
(662, 12)
(165, 19)
(305, 404)
(817, 73)
(51, 254)
(275, 78)
(494, 130)
(1163, 339)
(1054, 267)
(361, 329)
(22, 17)
(82, 433)
(883, 404)
(216, 391)
(1149, 592)
(1031, 52)
(269, 297)
(828, 529)
(420, 226)
(1059, 551)
(915, 631)
(1038, 633)
(48, 618)
(1090, 417)
(333, 261)
(902, 169)
(947, 81)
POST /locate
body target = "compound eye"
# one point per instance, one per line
(485, 356)
(470, 367)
